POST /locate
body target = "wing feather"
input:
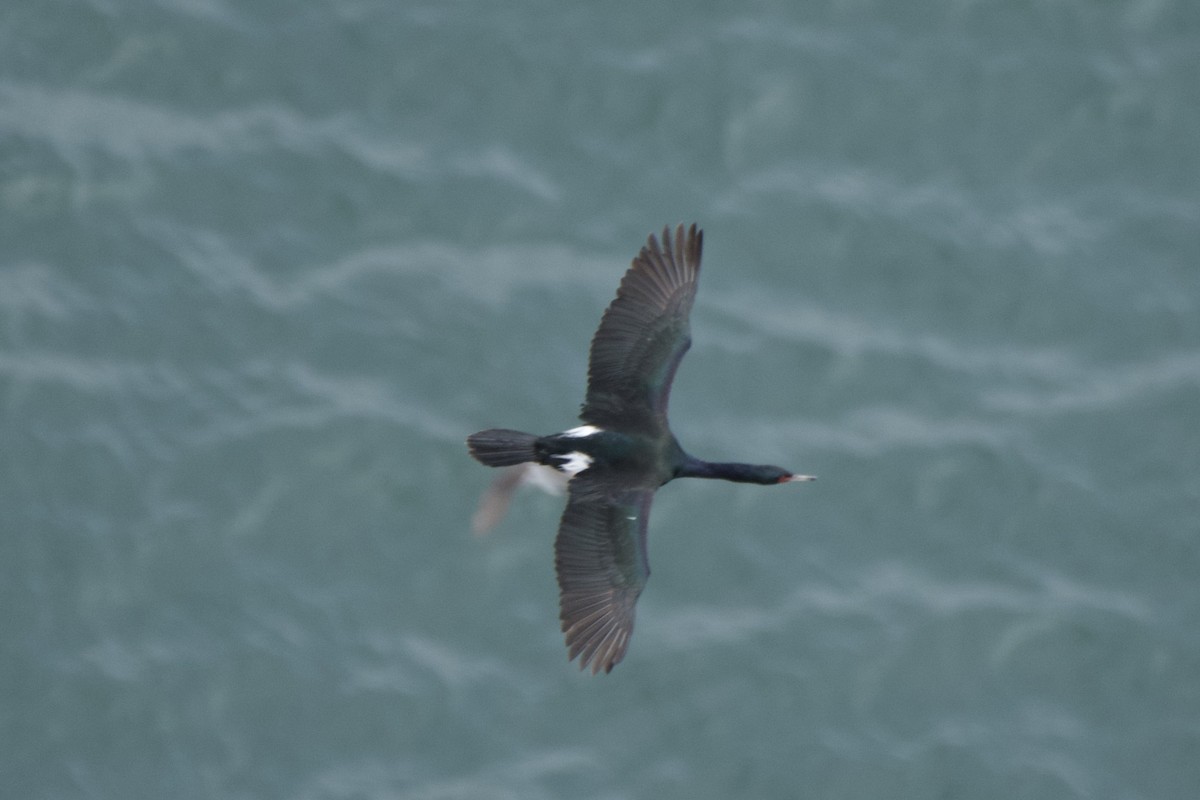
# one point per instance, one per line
(600, 557)
(644, 334)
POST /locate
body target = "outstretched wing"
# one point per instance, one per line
(600, 556)
(643, 335)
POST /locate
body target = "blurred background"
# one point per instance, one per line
(264, 265)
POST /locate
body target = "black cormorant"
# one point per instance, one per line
(623, 452)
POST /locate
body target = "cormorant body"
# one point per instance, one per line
(623, 452)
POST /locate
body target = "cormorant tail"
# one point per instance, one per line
(500, 447)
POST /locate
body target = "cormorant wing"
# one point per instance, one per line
(600, 557)
(643, 335)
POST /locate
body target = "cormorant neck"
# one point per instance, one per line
(731, 471)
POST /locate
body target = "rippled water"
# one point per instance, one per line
(263, 267)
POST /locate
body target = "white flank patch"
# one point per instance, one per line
(574, 463)
(582, 432)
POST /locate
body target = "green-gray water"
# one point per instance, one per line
(264, 265)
